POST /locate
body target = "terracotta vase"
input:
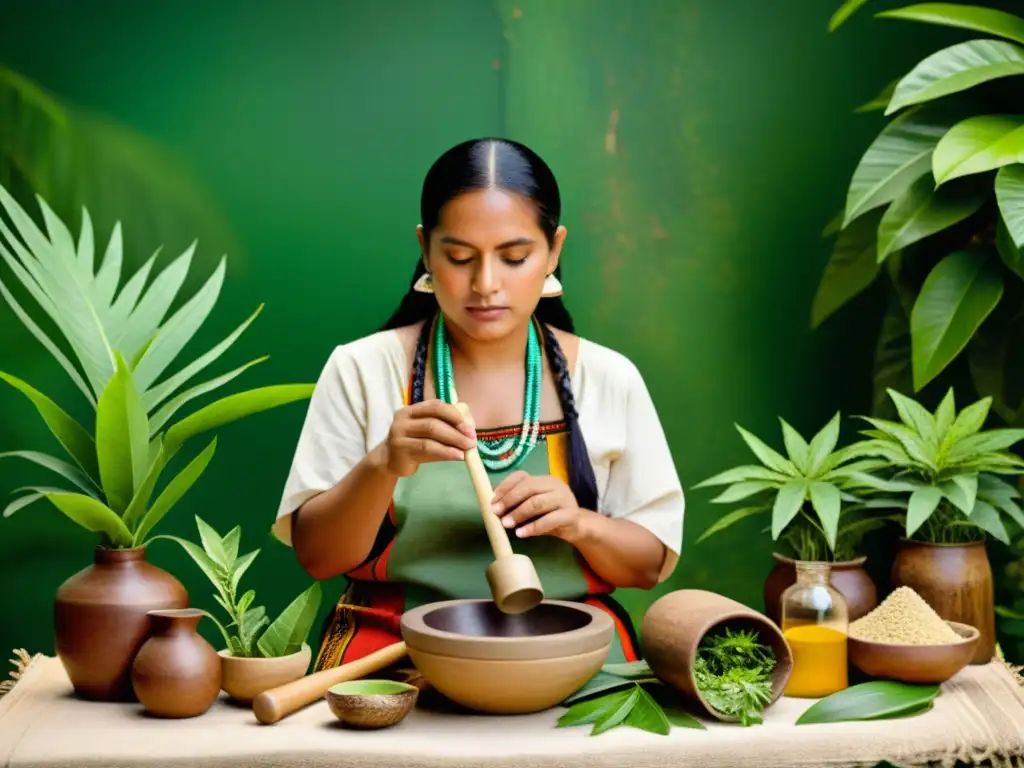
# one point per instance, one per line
(176, 673)
(849, 577)
(956, 581)
(100, 618)
(675, 624)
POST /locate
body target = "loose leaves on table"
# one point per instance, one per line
(631, 705)
(875, 700)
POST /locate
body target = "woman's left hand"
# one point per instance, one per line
(546, 501)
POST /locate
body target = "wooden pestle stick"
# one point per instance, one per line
(484, 494)
(277, 703)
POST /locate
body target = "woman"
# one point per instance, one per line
(582, 475)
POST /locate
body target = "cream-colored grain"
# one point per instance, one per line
(905, 618)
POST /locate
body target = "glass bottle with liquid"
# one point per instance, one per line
(815, 622)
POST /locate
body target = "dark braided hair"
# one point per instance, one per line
(516, 169)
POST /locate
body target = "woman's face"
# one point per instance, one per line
(488, 259)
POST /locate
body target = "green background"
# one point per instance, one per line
(701, 147)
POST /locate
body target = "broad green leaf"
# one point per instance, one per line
(1010, 196)
(647, 715)
(788, 502)
(613, 716)
(230, 544)
(889, 486)
(999, 498)
(588, 711)
(252, 622)
(744, 473)
(289, 631)
(822, 444)
(64, 469)
(972, 17)
(232, 408)
(845, 11)
(741, 491)
(69, 433)
(140, 501)
(945, 414)
(826, 502)
(985, 516)
(246, 600)
(984, 442)
(922, 505)
(632, 670)
(867, 701)
(122, 438)
(175, 489)
(240, 567)
(892, 359)
(179, 330)
(979, 144)
(165, 389)
(161, 417)
(212, 571)
(600, 683)
(771, 458)
(958, 294)
(672, 704)
(1007, 249)
(210, 539)
(93, 515)
(922, 211)
(29, 498)
(915, 416)
(796, 447)
(898, 156)
(957, 68)
(50, 347)
(730, 519)
(908, 439)
(962, 490)
(970, 420)
(850, 270)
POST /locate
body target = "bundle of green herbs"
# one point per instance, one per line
(733, 672)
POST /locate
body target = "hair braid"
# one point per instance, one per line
(419, 365)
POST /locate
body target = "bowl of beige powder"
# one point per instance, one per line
(905, 639)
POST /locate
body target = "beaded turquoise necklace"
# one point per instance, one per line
(497, 454)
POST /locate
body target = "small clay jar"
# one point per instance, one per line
(176, 672)
(674, 626)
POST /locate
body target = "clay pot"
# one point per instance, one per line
(675, 624)
(849, 578)
(500, 663)
(100, 618)
(176, 673)
(244, 678)
(956, 581)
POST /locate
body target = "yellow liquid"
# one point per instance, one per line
(819, 661)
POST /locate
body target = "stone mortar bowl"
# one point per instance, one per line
(499, 663)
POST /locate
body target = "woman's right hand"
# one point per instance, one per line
(425, 432)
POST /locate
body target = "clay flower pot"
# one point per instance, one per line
(244, 678)
(176, 672)
(956, 581)
(848, 577)
(675, 624)
(101, 619)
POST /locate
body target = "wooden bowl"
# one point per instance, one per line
(500, 663)
(366, 704)
(919, 664)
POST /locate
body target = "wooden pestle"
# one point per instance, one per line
(277, 703)
(515, 585)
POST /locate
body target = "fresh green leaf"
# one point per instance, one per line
(958, 294)
(232, 408)
(253, 621)
(740, 491)
(730, 519)
(211, 541)
(64, 469)
(93, 515)
(955, 69)
(972, 17)
(589, 711)
(845, 11)
(122, 438)
(140, 500)
(796, 447)
(823, 444)
(826, 502)
(69, 433)
(979, 144)
(241, 565)
(647, 715)
(985, 516)
(289, 631)
(788, 502)
(922, 211)
(743, 474)
(213, 572)
(1009, 187)
(867, 701)
(600, 683)
(611, 717)
(175, 489)
(631, 670)
(672, 705)
(966, 492)
(771, 458)
(230, 544)
(850, 270)
(881, 101)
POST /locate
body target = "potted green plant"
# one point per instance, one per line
(945, 475)
(258, 654)
(122, 348)
(808, 493)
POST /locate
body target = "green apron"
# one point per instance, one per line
(432, 546)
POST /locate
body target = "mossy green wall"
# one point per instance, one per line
(701, 147)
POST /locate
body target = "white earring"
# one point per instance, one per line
(552, 287)
(425, 284)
